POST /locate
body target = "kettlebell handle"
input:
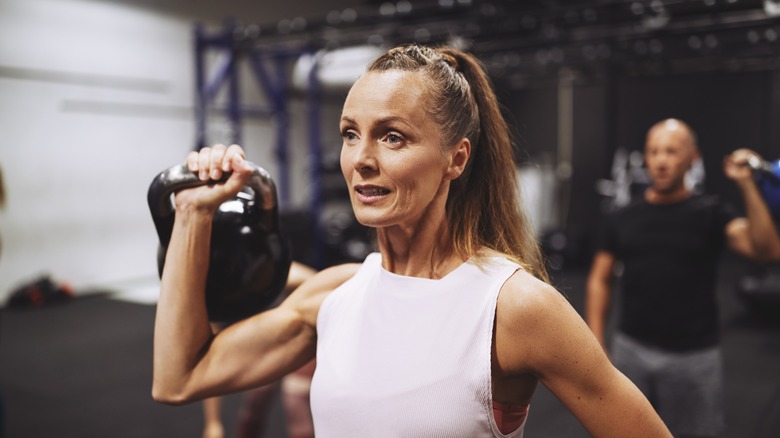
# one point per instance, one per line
(180, 177)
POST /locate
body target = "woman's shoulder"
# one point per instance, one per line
(527, 301)
(523, 284)
(308, 297)
(330, 278)
(533, 322)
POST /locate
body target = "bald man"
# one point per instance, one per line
(669, 243)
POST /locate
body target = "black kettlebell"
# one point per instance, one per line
(250, 258)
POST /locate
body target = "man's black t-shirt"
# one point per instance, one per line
(670, 254)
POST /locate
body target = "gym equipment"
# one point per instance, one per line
(40, 292)
(767, 175)
(759, 290)
(250, 258)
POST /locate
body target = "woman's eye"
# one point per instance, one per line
(348, 135)
(394, 138)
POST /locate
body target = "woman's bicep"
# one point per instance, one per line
(256, 351)
(269, 345)
(266, 346)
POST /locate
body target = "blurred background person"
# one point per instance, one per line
(669, 243)
(294, 390)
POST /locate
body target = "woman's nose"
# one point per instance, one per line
(364, 158)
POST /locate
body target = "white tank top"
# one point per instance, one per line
(403, 356)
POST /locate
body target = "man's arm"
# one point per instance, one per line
(754, 236)
(599, 293)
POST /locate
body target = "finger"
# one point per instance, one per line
(232, 151)
(192, 161)
(239, 164)
(742, 159)
(745, 156)
(203, 163)
(216, 159)
(240, 175)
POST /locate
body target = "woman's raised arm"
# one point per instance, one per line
(190, 362)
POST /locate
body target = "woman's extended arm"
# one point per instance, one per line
(598, 294)
(540, 333)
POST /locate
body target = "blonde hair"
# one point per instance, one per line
(484, 209)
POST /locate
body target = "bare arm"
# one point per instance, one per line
(182, 330)
(598, 294)
(539, 333)
(754, 236)
(249, 353)
(297, 275)
(190, 362)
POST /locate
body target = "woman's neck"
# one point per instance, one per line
(423, 250)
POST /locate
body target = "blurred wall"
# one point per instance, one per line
(96, 98)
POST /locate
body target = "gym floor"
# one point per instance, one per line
(83, 369)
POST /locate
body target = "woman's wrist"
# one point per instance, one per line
(195, 214)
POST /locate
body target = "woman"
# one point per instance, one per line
(448, 328)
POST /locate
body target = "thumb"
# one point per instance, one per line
(240, 165)
(241, 171)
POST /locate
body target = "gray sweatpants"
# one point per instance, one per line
(686, 388)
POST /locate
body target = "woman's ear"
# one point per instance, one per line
(459, 156)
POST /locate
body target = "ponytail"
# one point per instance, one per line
(484, 208)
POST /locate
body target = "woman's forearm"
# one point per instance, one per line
(182, 329)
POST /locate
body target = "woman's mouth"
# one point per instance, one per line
(370, 193)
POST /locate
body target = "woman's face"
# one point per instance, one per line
(392, 157)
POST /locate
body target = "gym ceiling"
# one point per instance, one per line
(524, 43)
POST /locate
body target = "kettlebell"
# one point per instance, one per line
(767, 176)
(250, 258)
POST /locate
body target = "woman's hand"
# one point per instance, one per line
(211, 163)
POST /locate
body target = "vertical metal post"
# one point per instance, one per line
(315, 157)
(234, 98)
(565, 143)
(232, 75)
(200, 89)
(282, 130)
(772, 150)
(275, 90)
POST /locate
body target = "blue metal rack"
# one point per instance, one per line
(269, 65)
